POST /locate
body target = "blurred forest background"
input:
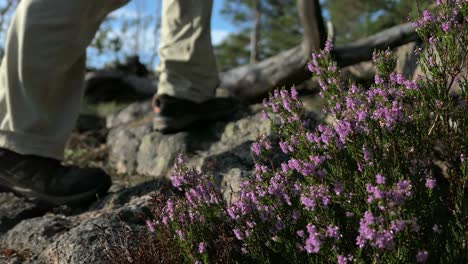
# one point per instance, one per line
(264, 28)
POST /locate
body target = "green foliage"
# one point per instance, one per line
(356, 19)
(280, 29)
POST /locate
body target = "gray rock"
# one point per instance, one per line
(230, 182)
(131, 113)
(84, 243)
(157, 152)
(407, 59)
(34, 235)
(117, 200)
(79, 245)
(214, 148)
(14, 209)
(124, 144)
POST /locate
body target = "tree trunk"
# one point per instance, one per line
(310, 15)
(255, 35)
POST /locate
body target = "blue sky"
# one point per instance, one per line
(221, 28)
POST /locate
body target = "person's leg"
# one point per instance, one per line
(41, 86)
(187, 68)
(188, 75)
(41, 77)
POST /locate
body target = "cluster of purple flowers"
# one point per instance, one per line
(347, 189)
(446, 21)
(262, 144)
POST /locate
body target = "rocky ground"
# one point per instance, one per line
(140, 160)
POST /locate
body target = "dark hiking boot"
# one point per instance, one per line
(174, 114)
(49, 181)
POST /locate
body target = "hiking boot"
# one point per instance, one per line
(49, 181)
(174, 114)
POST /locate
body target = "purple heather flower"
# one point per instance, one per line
(343, 128)
(446, 26)
(322, 85)
(313, 242)
(342, 259)
(294, 141)
(294, 93)
(338, 189)
(361, 115)
(328, 46)
(275, 107)
(436, 229)
(385, 239)
(422, 256)
(265, 115)
(284, 147)
(378, 79)
(287, 104)
(430, 183)
(333, 232)
(294, 164)
(198, 262)
(309, 203)
(360, 241)
(312, 138)
(238, 234)
(202, 247)
(256, 148)
(300, 233)
(150, 226)
(366, 153)
(181, 234)
(398, 225)
(427, 16)
(380, 179)
(244, 250)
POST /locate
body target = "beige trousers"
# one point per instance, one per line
(42, 73)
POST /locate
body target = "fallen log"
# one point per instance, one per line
(109, 85)
(249, 82)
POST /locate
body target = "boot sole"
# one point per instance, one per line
(75, 199)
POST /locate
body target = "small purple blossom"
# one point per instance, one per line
(342, 259)
(238, 234)
(294, 93)
(436, 229)
(380, 179)
(150, 226)
(202, 247)
(181, 234)
(446, 26)
(333, 232)
(313, 242)
(422, 256)
(430, 183)
(427, 16)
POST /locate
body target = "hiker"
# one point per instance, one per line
(41, 88)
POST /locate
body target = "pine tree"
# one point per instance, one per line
(267, 27)
(354, 19)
